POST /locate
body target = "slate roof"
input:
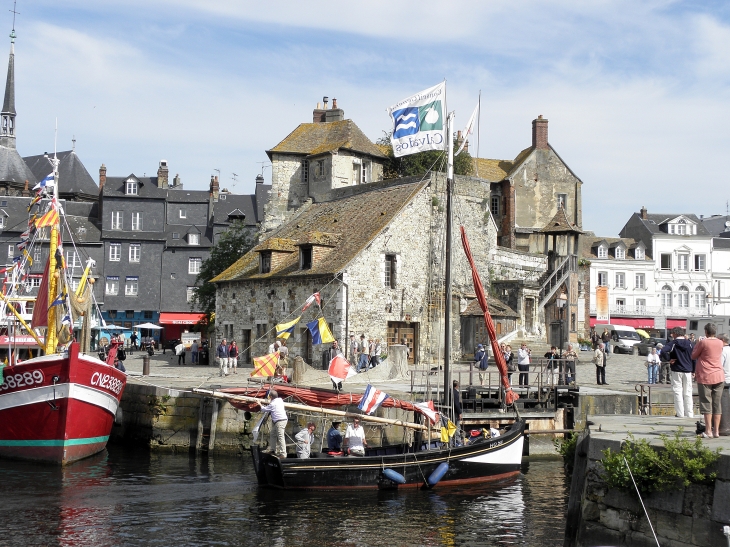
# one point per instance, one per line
(497, 308)
(183, 231)
(13, 168)
(590, 242)
(73, 176)
(147, 189)
(356, 220)
(721, 242)
(716, 224)
(188, 196)
(312, 139)
(655, 220)
(560, 224)
(233, 203)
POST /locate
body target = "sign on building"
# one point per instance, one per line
(603, 312)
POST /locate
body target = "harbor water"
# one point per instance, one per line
(133, 497)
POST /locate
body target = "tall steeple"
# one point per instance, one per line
(7, 116)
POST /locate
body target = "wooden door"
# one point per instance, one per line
(245, 353)
(397, 330)
(529, 312)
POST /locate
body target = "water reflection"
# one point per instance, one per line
(134, 497)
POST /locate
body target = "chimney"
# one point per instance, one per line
(334, 114)
(259, 179)
(334, 104)
(214, 188)
(643, 213)
(162, 175)
(102, 177)
(26, 192)
(540, 133)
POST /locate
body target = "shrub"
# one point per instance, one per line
(566, 448)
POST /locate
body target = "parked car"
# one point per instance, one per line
(644, 347)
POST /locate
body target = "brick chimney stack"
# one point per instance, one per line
(214, 188)
(162, 175)
(643, 213)
(102, 177)
(540, 133)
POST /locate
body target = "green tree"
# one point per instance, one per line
(419, 164)
(232, 245)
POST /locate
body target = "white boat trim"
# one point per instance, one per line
(510, 454)
(46, 394)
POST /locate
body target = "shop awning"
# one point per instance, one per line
(636, 322)
(24, 341)
(180, 318)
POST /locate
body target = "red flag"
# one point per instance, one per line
(311, 299)
(340, 369)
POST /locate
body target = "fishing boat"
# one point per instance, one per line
(58, 407)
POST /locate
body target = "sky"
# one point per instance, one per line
(636, 93)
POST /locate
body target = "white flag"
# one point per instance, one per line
(468, 130)
(418, 122)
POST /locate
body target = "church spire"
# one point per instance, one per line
(7, 116)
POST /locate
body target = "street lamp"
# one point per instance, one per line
(562, 299)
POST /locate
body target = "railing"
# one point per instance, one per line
(653, 311)
(552, 283)
(647, 405)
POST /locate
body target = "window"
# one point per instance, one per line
(183, 213)
(699, 263)
(265, 258)
(194, 265)
(136, 221)
(147, 314)
(620, 280)
(390, 264)
(11, 251)
(29, 307)
(175, 235)
(640, 305)
(35, 282)
(2, 221)
(191, 294)
(640, 281)
(602, 251)
(113, 313)
(700, 297)
(261, 330)
(495, 205)
(620, 253)
(562, 201)
(115, 252)
(73, 260)
(193, 239)
(602, 279)
(361, 171)
(129, 314)
(683, 297)
(112, 286)
(305, 171)
(681, 229)
(132, 188)
(319, 169)
(620, 304)
(683, 262)
(4, 203)
(131, 286)
(639, 253)
(305, 258)
(666, 261)
(666, 296)
(117, 220)
(37, 253)
(134, 252)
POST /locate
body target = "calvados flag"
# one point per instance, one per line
(311, 299)
(265, 366)
(372, 399)
(340, 369)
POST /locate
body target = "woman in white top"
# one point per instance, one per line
(523, 363)
(652, 366)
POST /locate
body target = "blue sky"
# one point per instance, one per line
(636, 92)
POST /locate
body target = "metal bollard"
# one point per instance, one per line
(725, 419)
(146, 365)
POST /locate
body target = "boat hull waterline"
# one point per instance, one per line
(58, 408)
(484, 461)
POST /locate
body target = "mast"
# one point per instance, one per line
(449, 221)
(54, 277)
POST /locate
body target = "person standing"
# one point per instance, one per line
(180, 352)
(509, 359)
(665, 376)
(710, 377)
(304, 440)
(599, 359)
(363, 352)
(233, 357)
(652, 366)
(334, 438)
(222, 354)
(458, 411)
(277, 442)
(523, 364)
(570, 358)
(133, 342)
(371, 353)
(283, 354)
(353, 351)
(480, 363)
(355, 443)
(194, 349)
(606, 339)
(679, 354)
(726, 357)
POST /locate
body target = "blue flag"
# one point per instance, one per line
(320, 331)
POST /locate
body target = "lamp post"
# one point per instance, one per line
(562, 299)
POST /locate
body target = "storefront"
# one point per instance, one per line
(176, 323)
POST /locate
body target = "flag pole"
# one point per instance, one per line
(479, 121)
(449, 221)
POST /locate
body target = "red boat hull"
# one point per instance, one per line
(58, 408)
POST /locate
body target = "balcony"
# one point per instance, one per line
(654, 311)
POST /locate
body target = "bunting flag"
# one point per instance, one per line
(427, 409)
(48, 219)
(22, 245)
(33, 202)
(60, 300)
(468, 130)
(320, 332)
(448, 431)
(48, 181)
(311, 299)
(27, 256)
(265, 366)
(284, 330)
(340, 369)
(372, 399)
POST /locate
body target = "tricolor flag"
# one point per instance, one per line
(372, 399)
(311, 299)
(284, 330)
(340, 369)
(320, 331)
(427, 409)
(418, 122)
(48, 181)
(469, 129)
(266, 365)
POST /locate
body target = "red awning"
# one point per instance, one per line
(24, 341)
(180, 318)
(671, 323)
(636, 322)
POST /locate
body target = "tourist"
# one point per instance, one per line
(371, 352)
(456, 392)
(710, 377)
(354, 443)
(595, 339)
(180, 352)
(523, 364)
(119, 365)
(378, 350)
(304, 440)
(363, 352)
(353, 351)
(233, 357)
(222, 355)
(283, 354)
(665, 376)
(553, 364)
(133, 342)
(279, 375)
(481, 362)
(334, 438)
(679, 353)
(599, 359)
(570, 357)
(277, 442)
(509, 359)
(606, 339)
(726, 357)
(194, 349)
(652, 366)
(274, 347)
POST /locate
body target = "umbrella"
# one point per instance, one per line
(643, 333)
(109, 327)
(148, 326)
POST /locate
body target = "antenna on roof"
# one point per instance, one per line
(73, 140)
(235, 180)
(219, 173)
(264, 165)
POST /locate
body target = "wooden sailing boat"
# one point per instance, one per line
(59, 407)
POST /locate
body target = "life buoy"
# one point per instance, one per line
(437, 474)
(394, 476)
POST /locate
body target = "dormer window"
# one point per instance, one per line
(620, 253)
(132, 188)
(265, 261)
(602, 251)
(193, 239)
(305, 258)
(175, 235)
(183, 213)
(639, 253)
